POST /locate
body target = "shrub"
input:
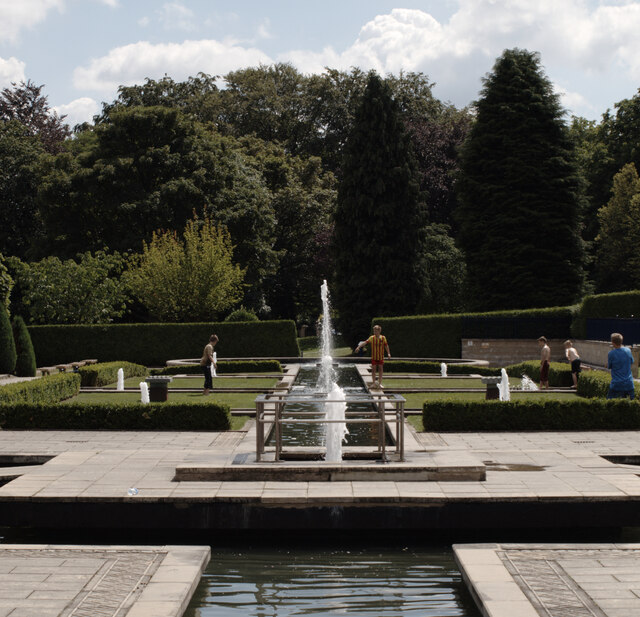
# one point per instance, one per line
(559, 372)
(593, 384)
(154, 344)
(117, 416)
(406, 366)
(103, 373)
(45, 390)
(242, 314)
(223, 368)
(534, 415)
(26, 357)
(7, 344)
(622, 304)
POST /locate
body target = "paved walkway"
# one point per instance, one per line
(98, 581)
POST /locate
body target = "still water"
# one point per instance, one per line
(385, 582)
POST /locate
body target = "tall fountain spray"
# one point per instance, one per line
(335, 432)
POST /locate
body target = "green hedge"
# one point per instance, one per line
(407, 366)
(439, 336)
(559, 372)
(601, 306)
(224, 368)
(593, 384)
(49, 389)
(130, 417)
(534, 415)
(103, 373)
(151, 344)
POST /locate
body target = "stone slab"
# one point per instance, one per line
(552, 580)
(86, 581)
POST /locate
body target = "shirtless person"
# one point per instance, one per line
(573, 357)
(545, 354)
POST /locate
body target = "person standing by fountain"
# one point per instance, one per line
(573, 357)
(206, 362)
(545, 355)
(619, 362)
(378, 346)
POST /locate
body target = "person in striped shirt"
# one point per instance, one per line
(378, 346)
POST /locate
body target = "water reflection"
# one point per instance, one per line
(386, 583)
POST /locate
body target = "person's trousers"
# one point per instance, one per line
(208, 381)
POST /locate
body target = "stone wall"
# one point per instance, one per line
(595, 353)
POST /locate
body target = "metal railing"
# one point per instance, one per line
(387, 409)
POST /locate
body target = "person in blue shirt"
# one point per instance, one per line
(619, 362)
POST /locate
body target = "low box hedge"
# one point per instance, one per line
(407, 366)
(117, 416)
(534, 415)
(593, 384)
(46, 390)
(154, 344)
(559, 372)
(224, 367)
(103, 373)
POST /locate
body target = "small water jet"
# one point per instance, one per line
(443, 369)
(527, 384)
(144, 393)
(503, 386)
(120, 385)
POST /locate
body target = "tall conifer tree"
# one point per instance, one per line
(520, 193)
(379, 220)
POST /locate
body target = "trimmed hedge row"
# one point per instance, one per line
(103, 373)
(534, 415)
(601, 306)
(406, 366)
(559, 372)
(593, 384)
(117, 416)
(439, 336)
(151, 344)
(44, 390)
(224, 367)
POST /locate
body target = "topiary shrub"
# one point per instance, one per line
(242, 314)
(47, 390)
(26, 357)
(8, 354)
(593, 384)
(103, 373)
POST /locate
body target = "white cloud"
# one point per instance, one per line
(18, 14)
(174, 15)
(11, 71)
(78, 111)
(574, 102)
(144, 21)
(131, 64)
(264, 30)
(114, 4)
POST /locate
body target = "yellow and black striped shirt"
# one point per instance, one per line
(377, 347)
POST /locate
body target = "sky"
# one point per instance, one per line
(82, 50)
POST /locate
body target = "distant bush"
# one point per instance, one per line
(26, 357)
(242, 314)
(624, 304)
(7, 344)
(533, 415)
(117, 416)
(103, 373)
(559, 372)
(594, 384)
(45, 390)
(406, 366)
(224, 368)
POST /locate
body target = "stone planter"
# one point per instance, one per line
(158, 388)
(493, 394)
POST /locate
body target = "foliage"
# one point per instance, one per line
(192, 277)
(621, 304)
(87, 291)
(520, 193)
(7, 344)
(165, 416)
(379, 219)
(46, 390)
(223, 367)
(6, 283)
(534, 415)
(559, 372)
(618, 262)
(20, 157)
(241, 314)
(103, 373)
(26, 357)
(26, 104)
(154, 344)
(594, 384)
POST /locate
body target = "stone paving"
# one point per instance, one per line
(98, 581)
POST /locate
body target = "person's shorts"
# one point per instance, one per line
(575, 366)
(377, 362)
(621, 394)
(544, 371)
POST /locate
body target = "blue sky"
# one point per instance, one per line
(83, 49)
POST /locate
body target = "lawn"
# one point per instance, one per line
(236, 400)
(218, 382)
(445, 383)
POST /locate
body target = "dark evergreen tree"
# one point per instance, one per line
(7, 345)
(379, 220)
(520, 193)
(26, 357)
